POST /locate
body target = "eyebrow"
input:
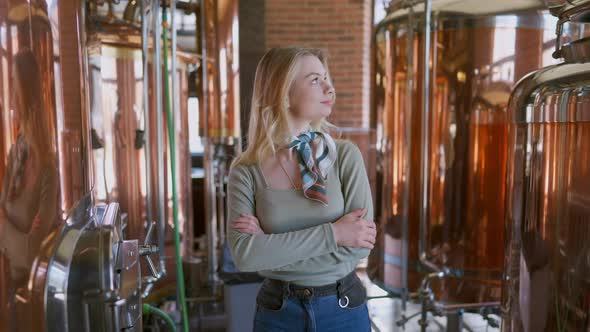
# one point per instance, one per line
(310, 74)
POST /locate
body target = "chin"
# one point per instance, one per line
(325, 112)
(319, 114)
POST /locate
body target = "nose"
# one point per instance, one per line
(328, 88)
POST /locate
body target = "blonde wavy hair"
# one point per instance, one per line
(270, 126)
(34, 120)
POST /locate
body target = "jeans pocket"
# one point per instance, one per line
(354, 295)
(270, 298)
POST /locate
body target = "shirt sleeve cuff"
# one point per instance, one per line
(330, 237)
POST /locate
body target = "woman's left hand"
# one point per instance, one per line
(247, 224)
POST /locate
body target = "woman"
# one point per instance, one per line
(29, 196)
(299, 202)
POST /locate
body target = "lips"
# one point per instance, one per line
(328, 102)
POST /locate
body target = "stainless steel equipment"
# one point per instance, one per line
(441, 140)
(547, 266)
(93, 276)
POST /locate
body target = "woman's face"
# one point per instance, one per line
(312, 94)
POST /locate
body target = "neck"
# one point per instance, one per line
(300, 127)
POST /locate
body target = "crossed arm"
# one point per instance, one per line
(306, 248)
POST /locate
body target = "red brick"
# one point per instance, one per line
(343, 28)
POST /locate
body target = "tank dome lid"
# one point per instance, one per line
(577, 51)
(580, 7)
(467, 7)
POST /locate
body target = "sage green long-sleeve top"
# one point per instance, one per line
(298, 245)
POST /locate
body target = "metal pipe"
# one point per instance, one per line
(558, 32)
(210, 209)
(426, 280)
(446, 308)
(208, 153)
(425, 147)
(408, 152)
(430, 88)
(173, 65)
(161, 206)
(85, 98)
(426, 298)
(180, 168)
(221, 167)
(146, 110)
(173, 122)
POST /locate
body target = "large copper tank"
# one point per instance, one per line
(547, 281)
(221, 95)
(448, 175)
(38, 190)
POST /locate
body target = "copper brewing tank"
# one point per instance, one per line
(547, 267)
(219, 44)
(441, 159)
(38, 190)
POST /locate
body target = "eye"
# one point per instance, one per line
(314, 81)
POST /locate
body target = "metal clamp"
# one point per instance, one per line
(558, 32)
(146, 250)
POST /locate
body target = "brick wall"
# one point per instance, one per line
(343, 28)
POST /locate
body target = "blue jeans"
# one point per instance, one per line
(277, 312)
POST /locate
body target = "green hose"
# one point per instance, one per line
(172, 143)
(148, 309)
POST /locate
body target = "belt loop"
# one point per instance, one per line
(338, 291)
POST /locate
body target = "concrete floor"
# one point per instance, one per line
(385, 312)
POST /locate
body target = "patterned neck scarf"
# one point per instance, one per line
(314, 167)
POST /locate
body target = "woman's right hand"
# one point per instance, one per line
(351, 230)
(248, 224)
